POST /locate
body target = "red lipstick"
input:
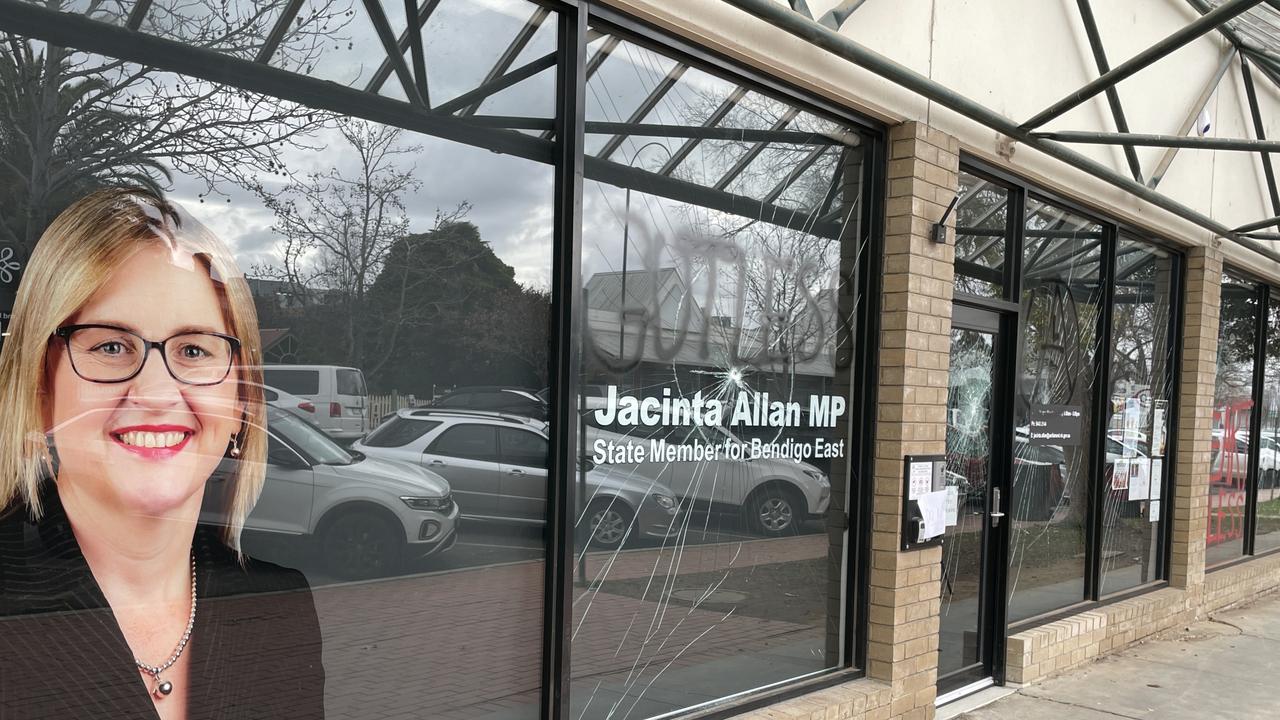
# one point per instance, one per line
(154, 452)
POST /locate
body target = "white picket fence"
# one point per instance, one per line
(380, 405)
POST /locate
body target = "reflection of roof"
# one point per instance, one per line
(604, 292)
(604, 333)
(271, 336)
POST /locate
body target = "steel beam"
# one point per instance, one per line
(726, 105)
(846, 48)
(1169, 141)
(387, 67)
(835, 17)
(756, 149)
(138, 14)
(1113, 96)
(1269, 222)
(75, 31)
(471, 99)
(416, 51)
(1206, 23)
(794, 174)
(1252, 95)
(278, 31)
(614, 173)
(394, 54)
(642, 110)
(1189, 124)
(517, 46)
(702, 132)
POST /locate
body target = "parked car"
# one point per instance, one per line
(493, 398)
(364, 515)
(338, 393)
(496, 465)
(773, 495)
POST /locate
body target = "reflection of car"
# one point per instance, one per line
(365, 514)
(773, 494)
(497, 467)
(288, 401)
(516, 401)
(339, 395)
(1232, 466)
(1039, 477)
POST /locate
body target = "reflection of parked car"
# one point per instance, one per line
(773, 494)
(339, 395)
(1232, 466)
(365, 514)
(497, 467)
(516, 401)
(288, 401)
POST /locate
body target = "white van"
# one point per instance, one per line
(339, 395)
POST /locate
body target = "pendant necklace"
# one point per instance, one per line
(161, 688)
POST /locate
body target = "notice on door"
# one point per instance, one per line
(1056, 425)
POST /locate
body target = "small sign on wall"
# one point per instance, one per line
(926, 502)
(1056, 425)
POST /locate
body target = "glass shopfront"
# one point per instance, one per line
(1094, 305)
(530, 443)
(1244, 509)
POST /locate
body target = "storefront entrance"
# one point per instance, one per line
(973, 547)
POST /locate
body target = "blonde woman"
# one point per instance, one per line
(129, 373)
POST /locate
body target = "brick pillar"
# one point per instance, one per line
(915, 342)
(1195, 416)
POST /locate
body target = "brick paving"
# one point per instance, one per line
(467, 643)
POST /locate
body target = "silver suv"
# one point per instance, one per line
(365, 515)
(496, 465)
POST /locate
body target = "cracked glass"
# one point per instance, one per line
(715, 404)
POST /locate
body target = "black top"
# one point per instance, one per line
(254, 651)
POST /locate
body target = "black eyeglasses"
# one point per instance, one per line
(110, 354)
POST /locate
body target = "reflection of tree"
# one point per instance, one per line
(70, 121)
(337, 229)
(446, 310)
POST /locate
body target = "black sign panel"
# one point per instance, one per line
(1056, 425)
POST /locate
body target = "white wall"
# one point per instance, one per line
(1017, 57)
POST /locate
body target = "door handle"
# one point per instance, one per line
(438, 462)
(516, 471)
(995, 513)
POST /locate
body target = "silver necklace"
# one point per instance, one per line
(162, 688)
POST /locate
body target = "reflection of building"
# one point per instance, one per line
(680, 338)
(279, 346)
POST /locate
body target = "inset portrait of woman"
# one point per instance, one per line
(131, 371)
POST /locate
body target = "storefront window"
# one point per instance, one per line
(1061, 302)
(1232, 411)
(720, 281)
(1142, 376)
(1267, 525)
(982, 218)
(393, 379)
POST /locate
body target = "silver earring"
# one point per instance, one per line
(235, 446)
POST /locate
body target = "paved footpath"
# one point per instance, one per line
(1226, 667)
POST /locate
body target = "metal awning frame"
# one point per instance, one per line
(824, 33)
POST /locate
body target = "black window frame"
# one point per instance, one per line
(565, 155)
(1020, 190)
(1268, 294)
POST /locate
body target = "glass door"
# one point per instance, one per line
(972, 609)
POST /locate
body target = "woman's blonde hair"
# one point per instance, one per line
(77, 255)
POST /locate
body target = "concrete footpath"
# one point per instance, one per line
(1225, 667)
